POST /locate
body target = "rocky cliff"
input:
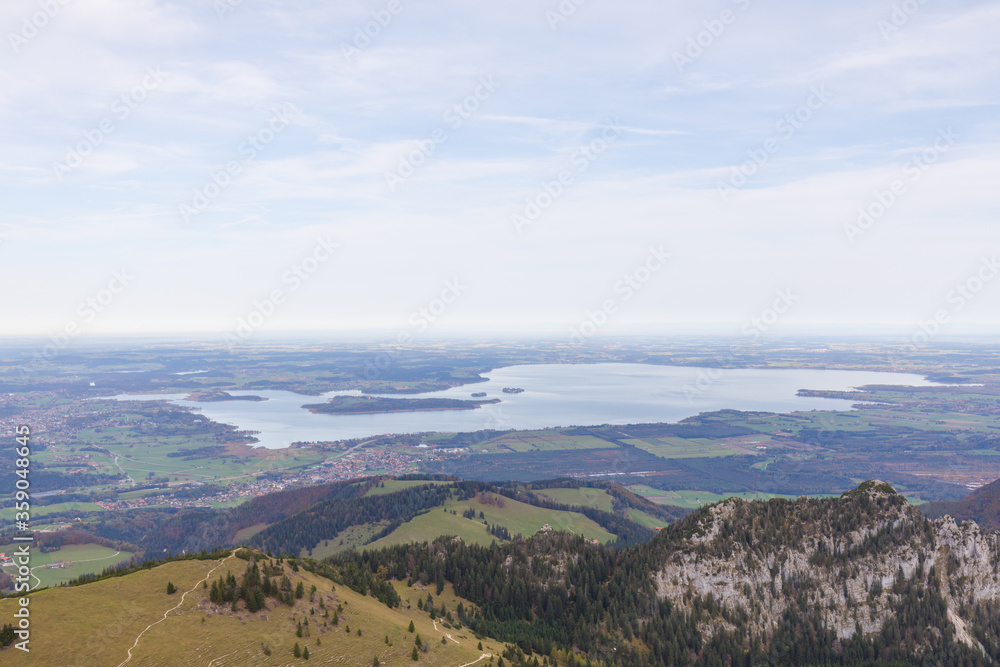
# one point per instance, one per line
(859, 565)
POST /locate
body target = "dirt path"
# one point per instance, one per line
(448, 636)
(174, 608)
(221, 657)
(482, 657)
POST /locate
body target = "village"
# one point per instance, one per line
(356, 464)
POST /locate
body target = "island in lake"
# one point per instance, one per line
(478, 394)
(218, 396)
(512, 390)
(359, 405)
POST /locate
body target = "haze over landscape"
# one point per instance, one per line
(836, 103)
(559, 334)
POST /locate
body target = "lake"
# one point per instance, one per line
(554, 395)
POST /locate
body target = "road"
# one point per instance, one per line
(131, 481)
(88, 560)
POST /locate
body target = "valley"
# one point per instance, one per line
(120, 482)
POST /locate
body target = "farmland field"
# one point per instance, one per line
(681, 448)
(541, 441)
(80, 559)
(8, 513)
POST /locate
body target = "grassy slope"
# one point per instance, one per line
(515, 516)
(244, 534)
(600, 499)
(353, 536)
(644, 519)
(393, 485)
(585, 497)
(426, 527)
(97, 623)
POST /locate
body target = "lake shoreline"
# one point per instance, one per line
(556, 395)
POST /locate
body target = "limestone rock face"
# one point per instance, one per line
(849, 559)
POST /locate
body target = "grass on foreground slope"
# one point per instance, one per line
(97, 624)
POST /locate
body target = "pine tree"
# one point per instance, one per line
(305, 653)
(414, 656)
(411, 628)
(171, 589)
(297, 652)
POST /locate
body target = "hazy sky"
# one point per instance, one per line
(174, 166)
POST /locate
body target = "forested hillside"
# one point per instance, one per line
(981, 506)
(862, 579)
(325, 520)
(296, 520)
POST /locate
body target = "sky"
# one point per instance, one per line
(584, 167)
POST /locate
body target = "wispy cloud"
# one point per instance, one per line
(682, 132)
